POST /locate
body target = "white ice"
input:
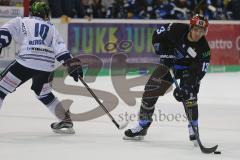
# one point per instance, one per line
(25, 132)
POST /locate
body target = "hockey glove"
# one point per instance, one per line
(74, 68)
(5, 39)
(184, 93)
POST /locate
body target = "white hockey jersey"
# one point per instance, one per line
(40, 42)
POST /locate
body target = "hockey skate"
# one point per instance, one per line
(63, 127)
(137, 133)
(192, 136)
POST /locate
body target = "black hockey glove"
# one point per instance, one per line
(184, 93)
(5, 38)
(74, 68)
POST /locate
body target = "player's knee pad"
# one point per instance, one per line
(47, 99)
(158, 83)
(155, 88)
(5, 38)
(8, 84)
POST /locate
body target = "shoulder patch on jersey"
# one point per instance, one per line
(206, 54)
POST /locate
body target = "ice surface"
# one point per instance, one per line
(25, 132)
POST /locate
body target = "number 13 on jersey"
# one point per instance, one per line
(205, 66)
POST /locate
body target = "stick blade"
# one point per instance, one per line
(123, 125)
(208, 150)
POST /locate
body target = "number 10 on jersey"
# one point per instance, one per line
(41, 30)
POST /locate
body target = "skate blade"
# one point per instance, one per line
(64, 131)
(137, 138)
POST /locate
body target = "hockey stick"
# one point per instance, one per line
(102, 106)
(203, 149)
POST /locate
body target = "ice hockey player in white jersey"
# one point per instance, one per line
(40, 45)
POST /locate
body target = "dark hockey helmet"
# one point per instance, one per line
(40, 9)
(199, 20)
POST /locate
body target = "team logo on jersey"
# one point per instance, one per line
(201, 23)
(206, 54)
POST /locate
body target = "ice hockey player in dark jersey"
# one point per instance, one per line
(183, 48)
(40, 45)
